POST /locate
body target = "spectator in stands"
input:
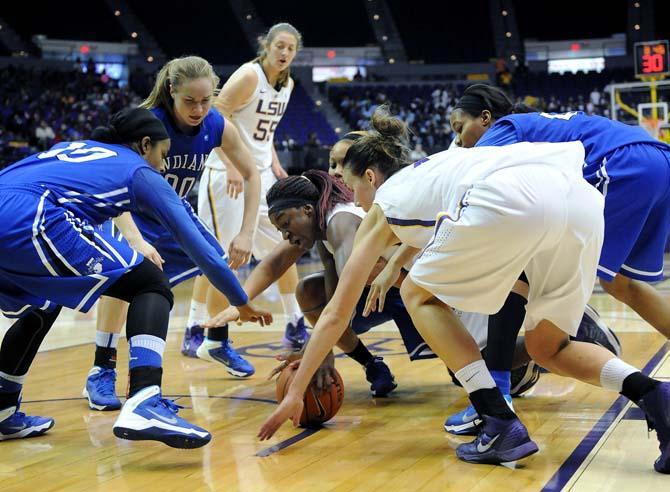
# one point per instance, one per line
(44, 135)
(417, 153)
(312, 152)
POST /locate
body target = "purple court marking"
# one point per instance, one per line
(584, 448)
(286, 443)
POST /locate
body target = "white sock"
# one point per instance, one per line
(614, 372)
(475, 376)
(291, 307)
(107, 340)
(198, 314)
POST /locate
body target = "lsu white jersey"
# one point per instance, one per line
(413, 198)
(258, 119)
(338, 209)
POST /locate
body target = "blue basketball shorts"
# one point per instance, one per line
(635, 181)
(178, 265)
(49, 257)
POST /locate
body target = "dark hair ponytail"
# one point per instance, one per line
(130, 126)
(384, 147)
(313, 187)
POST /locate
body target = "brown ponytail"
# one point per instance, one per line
(384, 147)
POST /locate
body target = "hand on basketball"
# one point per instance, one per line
(149, 252)
(325, 374)
(290, 408)
(292, 359)
(379, 287)
(235, 184)
(239, 252)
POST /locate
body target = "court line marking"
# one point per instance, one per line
(576, 463)
(245, 398)
(287, 442)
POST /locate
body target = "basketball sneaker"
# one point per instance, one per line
(17, 425)
(193, 337)
(223, 352)
(524, 378)
(656, 406)
(499, 441)
(467, 421)
(295, 334)
(100, 389)
(147, 416)
(380, 377)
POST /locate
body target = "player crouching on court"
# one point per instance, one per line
(52, 255)
(494, 217)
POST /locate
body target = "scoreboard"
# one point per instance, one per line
(652, 59)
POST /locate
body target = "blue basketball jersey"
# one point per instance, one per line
(91, 179)
(188, 153)
(600, 136)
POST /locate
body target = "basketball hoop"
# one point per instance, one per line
(652, 125)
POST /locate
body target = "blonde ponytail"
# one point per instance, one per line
(173, 75)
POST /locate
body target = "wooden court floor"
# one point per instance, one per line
(589, 439)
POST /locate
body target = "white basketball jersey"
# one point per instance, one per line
(258, 119)
(342, 208)
(412, 198)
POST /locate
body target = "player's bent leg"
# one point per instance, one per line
(502, 334)
(100, 386)
(295, 334)
(596, 365)
(146, 415)
(502, 436)
(19, 347)
(642, 298)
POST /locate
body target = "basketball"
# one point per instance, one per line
(319, 407)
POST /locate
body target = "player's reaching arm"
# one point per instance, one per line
(240, 157)
(373, 236)
(155, 198)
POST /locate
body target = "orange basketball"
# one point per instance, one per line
(318, 408)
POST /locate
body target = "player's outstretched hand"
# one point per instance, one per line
(249, 313)
(239, 314)
(379, 288)
(289, 408)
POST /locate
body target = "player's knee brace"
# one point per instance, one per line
(145, 277)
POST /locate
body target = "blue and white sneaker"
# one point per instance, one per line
(193, 337)
(17, 425)
(147, 416)
(100, 389)
(656, 406)
(381, 380)
(223, 352)
(295, 334)
(467, 421)
(499, 441)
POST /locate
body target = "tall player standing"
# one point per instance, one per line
(181, 98)
(254, 98)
